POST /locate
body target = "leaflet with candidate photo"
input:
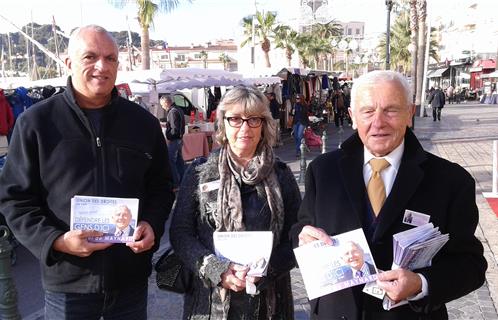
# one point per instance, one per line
(115, 217)
(346, 263)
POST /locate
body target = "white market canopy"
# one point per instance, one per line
(169, 80)
(257, 81)
(198, 73)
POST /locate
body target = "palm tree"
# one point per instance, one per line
(323, 34)
(285, 38)
(434, 45)
(302, 43)
(401, 58)
(263, 31)
(204, 56)
(225, 59)
(414, 43)
(147, 9)
(327, 30)
(318, 48)
(422, 14)
(400, 39)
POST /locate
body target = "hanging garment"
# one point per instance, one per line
(19, 101)
(325, 81)
(285, 90)
(277, 90)
(6, 115)
(217, 93)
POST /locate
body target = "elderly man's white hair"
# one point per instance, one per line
(76, 35)
(376, 77)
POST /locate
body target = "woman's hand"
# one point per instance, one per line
(253, 279)
(235, 277)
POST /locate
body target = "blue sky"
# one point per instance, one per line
(196, 22)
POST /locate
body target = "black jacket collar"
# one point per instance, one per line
(71, 98)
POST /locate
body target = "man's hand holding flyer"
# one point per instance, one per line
(326, 269)
(115, 217)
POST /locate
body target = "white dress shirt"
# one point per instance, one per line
(388, 176)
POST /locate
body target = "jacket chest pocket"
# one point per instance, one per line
(132, 165)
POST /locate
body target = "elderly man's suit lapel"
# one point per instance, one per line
(352, 175)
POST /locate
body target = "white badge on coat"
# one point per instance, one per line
(415, 218)
(209, 186)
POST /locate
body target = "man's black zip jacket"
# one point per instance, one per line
(54, 155)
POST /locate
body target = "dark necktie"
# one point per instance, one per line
(375, 188)
(119, 233)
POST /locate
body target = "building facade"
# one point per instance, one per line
(468, 39)
(219, 55)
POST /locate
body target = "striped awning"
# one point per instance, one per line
(437, 73)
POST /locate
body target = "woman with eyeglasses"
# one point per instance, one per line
(241, 187)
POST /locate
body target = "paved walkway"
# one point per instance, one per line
(465, 136)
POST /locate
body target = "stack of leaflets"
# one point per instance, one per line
(116, 218)
(415, 248)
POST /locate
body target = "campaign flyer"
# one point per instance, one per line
(115, 217)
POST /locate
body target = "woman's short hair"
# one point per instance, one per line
(254, 103)
(377, 76)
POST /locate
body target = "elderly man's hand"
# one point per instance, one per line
(400, 284)
(75, 242)
(310, 233)
(144, 238)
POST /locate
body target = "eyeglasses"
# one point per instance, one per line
(237, 122)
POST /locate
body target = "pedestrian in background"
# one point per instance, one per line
(241, 187)
(450, 93)
(87, 141)
(275, 113)
(437, 101)
(175, 129)
(299, 113)
(339, 107)
(346, 91)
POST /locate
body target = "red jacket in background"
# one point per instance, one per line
(6, 115)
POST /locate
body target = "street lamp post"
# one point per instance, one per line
(343, 45)
(346, 46)
(389, 6)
